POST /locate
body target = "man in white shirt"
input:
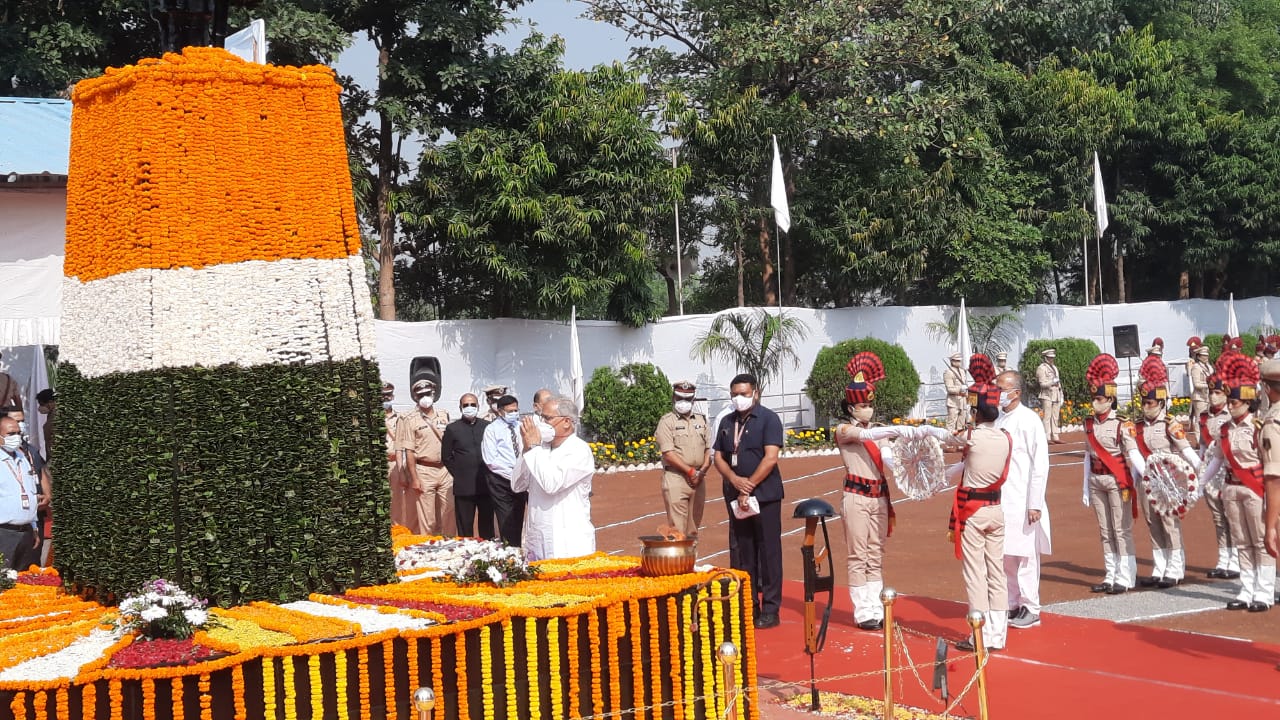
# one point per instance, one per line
(500, 448)
(19, 498)
(557, 477)
(1027, 533)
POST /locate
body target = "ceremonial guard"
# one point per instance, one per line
(976, 525)
(957, 406)
(1108, 489)
(420, 434)
(1050, 393)
(684, 440)
(1210, 429)
(866, 510)
(1198, 372)
(1269, 449)
(1242, 490)
(1155, 432)
(1155, 353)
(1002, 362)
(399, 476)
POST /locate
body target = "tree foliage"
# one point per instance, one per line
(760, 341)
(625, 404)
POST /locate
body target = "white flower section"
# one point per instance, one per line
(250, 313)
(65, 663)
(370, 621)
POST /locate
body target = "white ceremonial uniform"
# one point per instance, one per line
(557, 523)
(1024, 542)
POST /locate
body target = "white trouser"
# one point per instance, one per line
(1126, 571)
(1022, 572)
(996, 629)
(1110, 563)
(866, 601)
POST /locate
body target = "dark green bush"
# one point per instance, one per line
(625, 404)
(1214, 343)
(264, 483)
(895, 395)
(1074, 356)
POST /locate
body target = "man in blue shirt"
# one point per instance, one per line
(19, 495)
(500, 447)
(746, 454)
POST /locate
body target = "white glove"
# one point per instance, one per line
(1214, 464)
(883, 432)
(1192, 459)
(890, 462)
(955, 471)
(1088, 473)
(1137, 465)
(941, 434)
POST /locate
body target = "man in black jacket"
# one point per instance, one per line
(460, 452)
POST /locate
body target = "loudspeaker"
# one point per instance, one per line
(1126, 341)
(426, 367)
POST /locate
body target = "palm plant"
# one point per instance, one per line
(990, 333)
(757, 341)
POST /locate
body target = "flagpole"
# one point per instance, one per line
(1102, 221)
(679, 258)
(1084, 246)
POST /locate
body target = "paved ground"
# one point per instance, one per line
(919, 560)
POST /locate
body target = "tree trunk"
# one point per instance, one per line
(386, 221)
(737, 251)
(1184, 285)
(766, 263)
(789, 275)
(673, 306)
(1120, 279)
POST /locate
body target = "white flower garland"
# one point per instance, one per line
(65, 663)
(370, 620)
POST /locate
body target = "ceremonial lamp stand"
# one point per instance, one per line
(815, 511)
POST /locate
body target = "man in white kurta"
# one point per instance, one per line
(557, 476)
(1027, 534)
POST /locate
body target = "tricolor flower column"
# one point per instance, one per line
(219, 417)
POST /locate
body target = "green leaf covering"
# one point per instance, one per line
(1073, 358)
(239, 484)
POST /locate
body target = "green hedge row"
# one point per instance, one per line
(895, 395)
(264, 483)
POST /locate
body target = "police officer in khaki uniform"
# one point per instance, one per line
(402, 498)
(1210, 429)
(1198, 372)
(419, 434)
(1108, 489)
(683, 438)
(1269, 448)
(957, 404)
(1050, 393)
(491, 395)
(1002, 362)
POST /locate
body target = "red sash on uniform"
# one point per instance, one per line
(1140, 436)
(1250, 477)
(874, 451)
(1205, 437)
(1114, 464)
(969, 500)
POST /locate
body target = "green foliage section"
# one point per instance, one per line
(625, 404)
(1214, 343)
(1073, 358)
(895, 395)
(264, 483)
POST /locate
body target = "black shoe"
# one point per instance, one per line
(1230, 574)
(871, 625)
(1166, 583)
(965, 645)
(1148, 581)
(1101, 588)
(1237, 605)
(1117, 590)
(1217, 574)
(766, 621)
(1258, 607)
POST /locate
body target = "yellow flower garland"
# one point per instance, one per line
(686, 643)
(575, 669)
(509, 671)
(460, 672)
(315, 686)
(531, 668)
(290, 694)
(269, 687)
(340, 682)
(486, 674)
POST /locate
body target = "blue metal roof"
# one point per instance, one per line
(35, 136)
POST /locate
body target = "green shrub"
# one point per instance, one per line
(626, 404)
(1074, 356)
(239, 484)
(1214, 343)
(895, 395)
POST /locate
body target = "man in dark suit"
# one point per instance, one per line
(746, 454)
(460, 452)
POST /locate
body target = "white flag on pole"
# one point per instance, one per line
(964, 344)
(1099, 197)
(1233, 328)
(778, 192)
(250, 43)
(575, 360)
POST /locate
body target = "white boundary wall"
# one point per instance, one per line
(528, 354)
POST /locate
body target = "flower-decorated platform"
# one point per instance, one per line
(588, 637)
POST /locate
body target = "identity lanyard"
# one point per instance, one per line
(17, 477)
(738, 428)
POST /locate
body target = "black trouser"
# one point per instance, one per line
(757, 549)
(465, 508)
(509, 507)
(17, 547)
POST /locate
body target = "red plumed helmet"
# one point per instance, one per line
(1240, 376)
(981, 368)
(1194, 342)
(1101, 375)
(1158, 341)
(866, 369)
(1155, 378)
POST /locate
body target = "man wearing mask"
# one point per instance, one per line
(1027, 531)
(19, 498)
(461, 454)
(1198, 372)
(1210, 426)
(1002, 362)
(746, 455)
(1050, 393)
(557, 476)
(399, 475)
(501, 449)
(957, 403)
(1108, 489)
(544, 406)
(420, 434)
(683, 440)
(491, 395)
(1156, 433)
(41, 468)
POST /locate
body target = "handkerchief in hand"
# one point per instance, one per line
(753, 508)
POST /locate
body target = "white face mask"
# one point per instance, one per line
(1151, 413)
(12, 442)
(1101, 407)
(863, 414)
(512, 418)
(426, 401)
(386, 404)
(682, 407)
(1237, 411)
(470, 411)
(1217, 399)
(742, 403)
(546, 432)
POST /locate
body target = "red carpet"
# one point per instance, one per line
(1065, 668)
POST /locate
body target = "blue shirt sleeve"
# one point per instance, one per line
(773, 434)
